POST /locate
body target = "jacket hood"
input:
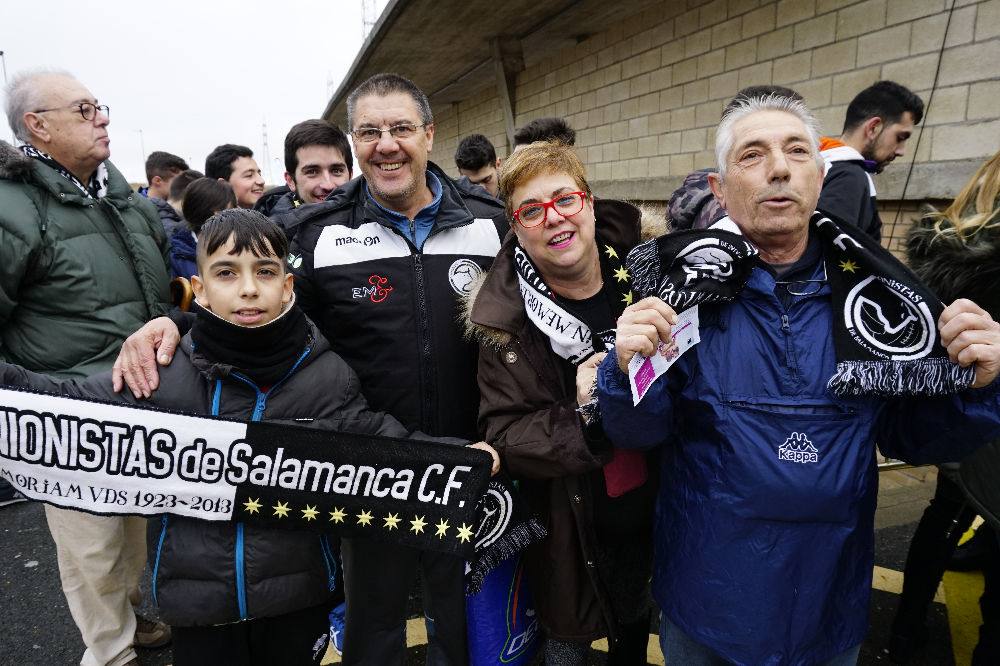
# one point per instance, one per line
(275, 201)
(493, 312)
(14, 165)
(953, 268)
(166, 211)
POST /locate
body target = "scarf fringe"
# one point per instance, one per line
(927, 376)
(510, 544)
(644, 269)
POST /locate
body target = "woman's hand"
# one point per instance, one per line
(586, 377)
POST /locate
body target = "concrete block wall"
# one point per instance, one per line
(645, 93)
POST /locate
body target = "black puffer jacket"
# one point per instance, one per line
(195, 562)
(171, 219)
(392, 310)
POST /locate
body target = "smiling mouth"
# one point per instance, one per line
(390, 166)
(561, 239)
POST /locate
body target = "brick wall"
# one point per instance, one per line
(645, 94)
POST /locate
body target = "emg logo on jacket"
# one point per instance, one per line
(797, 448)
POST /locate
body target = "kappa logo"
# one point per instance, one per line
(798, 449)
(706, 258)
(377, 292)
(462, 274)
(889, 319)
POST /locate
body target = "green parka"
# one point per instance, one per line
(77, 275)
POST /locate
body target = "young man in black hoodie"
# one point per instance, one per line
(234, 593)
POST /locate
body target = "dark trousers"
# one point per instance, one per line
(293, 639)
(944, 522)
(377, 582)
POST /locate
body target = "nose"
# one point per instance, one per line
(386, 142)
(778, 166)
(248, 286)
(327, 182)
(101, 119)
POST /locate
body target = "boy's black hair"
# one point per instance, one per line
(181, 181)
(886, 99)
(315, 133)
(545, 129)
(204, 198)
(761, 91)
(475, 152)
(219, 163)
(163, 164)
(250, 230)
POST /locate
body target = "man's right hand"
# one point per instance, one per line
(154, 343)
(641, 328)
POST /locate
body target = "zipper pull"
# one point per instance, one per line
(784, 323)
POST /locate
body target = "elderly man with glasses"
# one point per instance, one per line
(382, 267)
(82, 264)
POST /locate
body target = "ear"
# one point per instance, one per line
(498, 163)
(290, 182)
(36, 126)
(873, 127)
(156, 180)
(198, 287)
(287, 287)
(429, 131)
(715, 183)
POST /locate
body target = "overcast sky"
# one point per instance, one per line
(191, 75)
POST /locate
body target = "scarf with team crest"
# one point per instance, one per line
(885, 320)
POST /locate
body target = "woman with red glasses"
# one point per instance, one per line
(545, 315)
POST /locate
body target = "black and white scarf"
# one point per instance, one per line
(570, 337)
(97, 188)
(885, 323)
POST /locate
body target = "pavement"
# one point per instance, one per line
(37, 628)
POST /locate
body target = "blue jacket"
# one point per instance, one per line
(183, 253)
(765, 520)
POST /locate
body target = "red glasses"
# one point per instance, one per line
(533, 214)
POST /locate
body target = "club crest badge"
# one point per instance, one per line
(889, 319)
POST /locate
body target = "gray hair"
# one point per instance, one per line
(387, 84)
(23, 95)
(724, 137)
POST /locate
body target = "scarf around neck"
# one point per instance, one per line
(264, 353)
(568, 334)
(885, 333)
(96, 188)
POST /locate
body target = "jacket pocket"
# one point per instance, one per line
(796, 461)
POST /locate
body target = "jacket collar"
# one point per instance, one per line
(14, 165)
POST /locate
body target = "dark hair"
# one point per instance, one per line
(250, 231)
(204, 198)
(315, 133)
(760, 91)
(163, 165)
(384, 84)
(886, 99)
(475, 152)
(181, 181)
(545, 129)
(219, 163)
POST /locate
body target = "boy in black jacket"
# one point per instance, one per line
(235, 593)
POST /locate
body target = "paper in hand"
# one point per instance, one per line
(643, 371)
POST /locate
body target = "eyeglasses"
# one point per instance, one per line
(87, 110)
(372, 134)
(804, 287)
(533, 214)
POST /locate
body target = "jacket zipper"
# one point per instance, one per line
(329, 561)
(428, 415)
(260, 404)
(159, 551)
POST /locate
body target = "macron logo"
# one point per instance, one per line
(798, 449)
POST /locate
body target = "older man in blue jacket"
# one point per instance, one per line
(814, 344)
